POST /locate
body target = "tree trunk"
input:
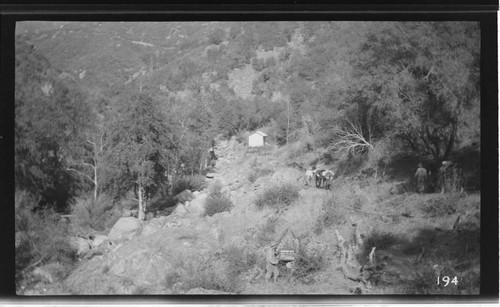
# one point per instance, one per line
(95, 183)
(141, 214)
(451, 141)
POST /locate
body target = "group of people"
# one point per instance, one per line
(323, 178)
(450, 177)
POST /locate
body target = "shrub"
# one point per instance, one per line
(210, 275)
(239, 259)
(379, 239)
(277, 197)
(95, 214)
(192, 183)
(308, 263)
(162, 203)
(442, 206)
(266, 232)
(41, 236)
(331, 214)
(217, 201)
(242, 139)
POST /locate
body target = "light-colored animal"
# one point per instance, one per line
(309, 176)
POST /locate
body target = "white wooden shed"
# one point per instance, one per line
(258, 138)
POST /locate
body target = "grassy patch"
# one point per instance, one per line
(41, 237)
(239, 259)
(277, 197)
(256, 173)
(331, 214)
(210, 275)
(266, 232)
(95, 214)
(308, 263)
(445, 205)
(217, 201)
(380, 239)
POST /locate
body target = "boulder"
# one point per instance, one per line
(197, 205)
(150, 228)
(145, 261)
(180, 210)
(184, 196)
(98, 240)
(125, 228)
(50, 273)
(174, 223)
(210, 175)
(150, 215)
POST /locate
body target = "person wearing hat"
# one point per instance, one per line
(272, 262)
(421, 175)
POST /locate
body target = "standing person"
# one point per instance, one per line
(421, 175)
(272, 262)
(444, 176)
(309, 176)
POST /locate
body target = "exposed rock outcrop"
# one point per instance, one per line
(125, 229)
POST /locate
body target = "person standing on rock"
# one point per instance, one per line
(272, 262)
(421, 175)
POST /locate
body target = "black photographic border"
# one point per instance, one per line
(484, 12)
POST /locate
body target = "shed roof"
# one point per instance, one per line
(260, 133)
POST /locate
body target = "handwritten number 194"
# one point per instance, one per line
(446, 280)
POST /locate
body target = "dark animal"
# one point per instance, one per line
(324, 178)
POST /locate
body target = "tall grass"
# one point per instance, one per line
(210, 275)
(41, 237)
(98, 214)
(277, 197)
(222, 271)
(331, 214)
(217, 201)
(308, 263)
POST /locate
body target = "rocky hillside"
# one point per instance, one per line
(111, 114)
(188, 252)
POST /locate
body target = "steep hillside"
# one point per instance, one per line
(116, 121)
(412, 236)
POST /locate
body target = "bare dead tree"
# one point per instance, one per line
(349, 139)
(97, 144)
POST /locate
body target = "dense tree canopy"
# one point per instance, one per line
(126, 113)
(49, 114)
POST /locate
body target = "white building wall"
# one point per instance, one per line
(255, 140)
